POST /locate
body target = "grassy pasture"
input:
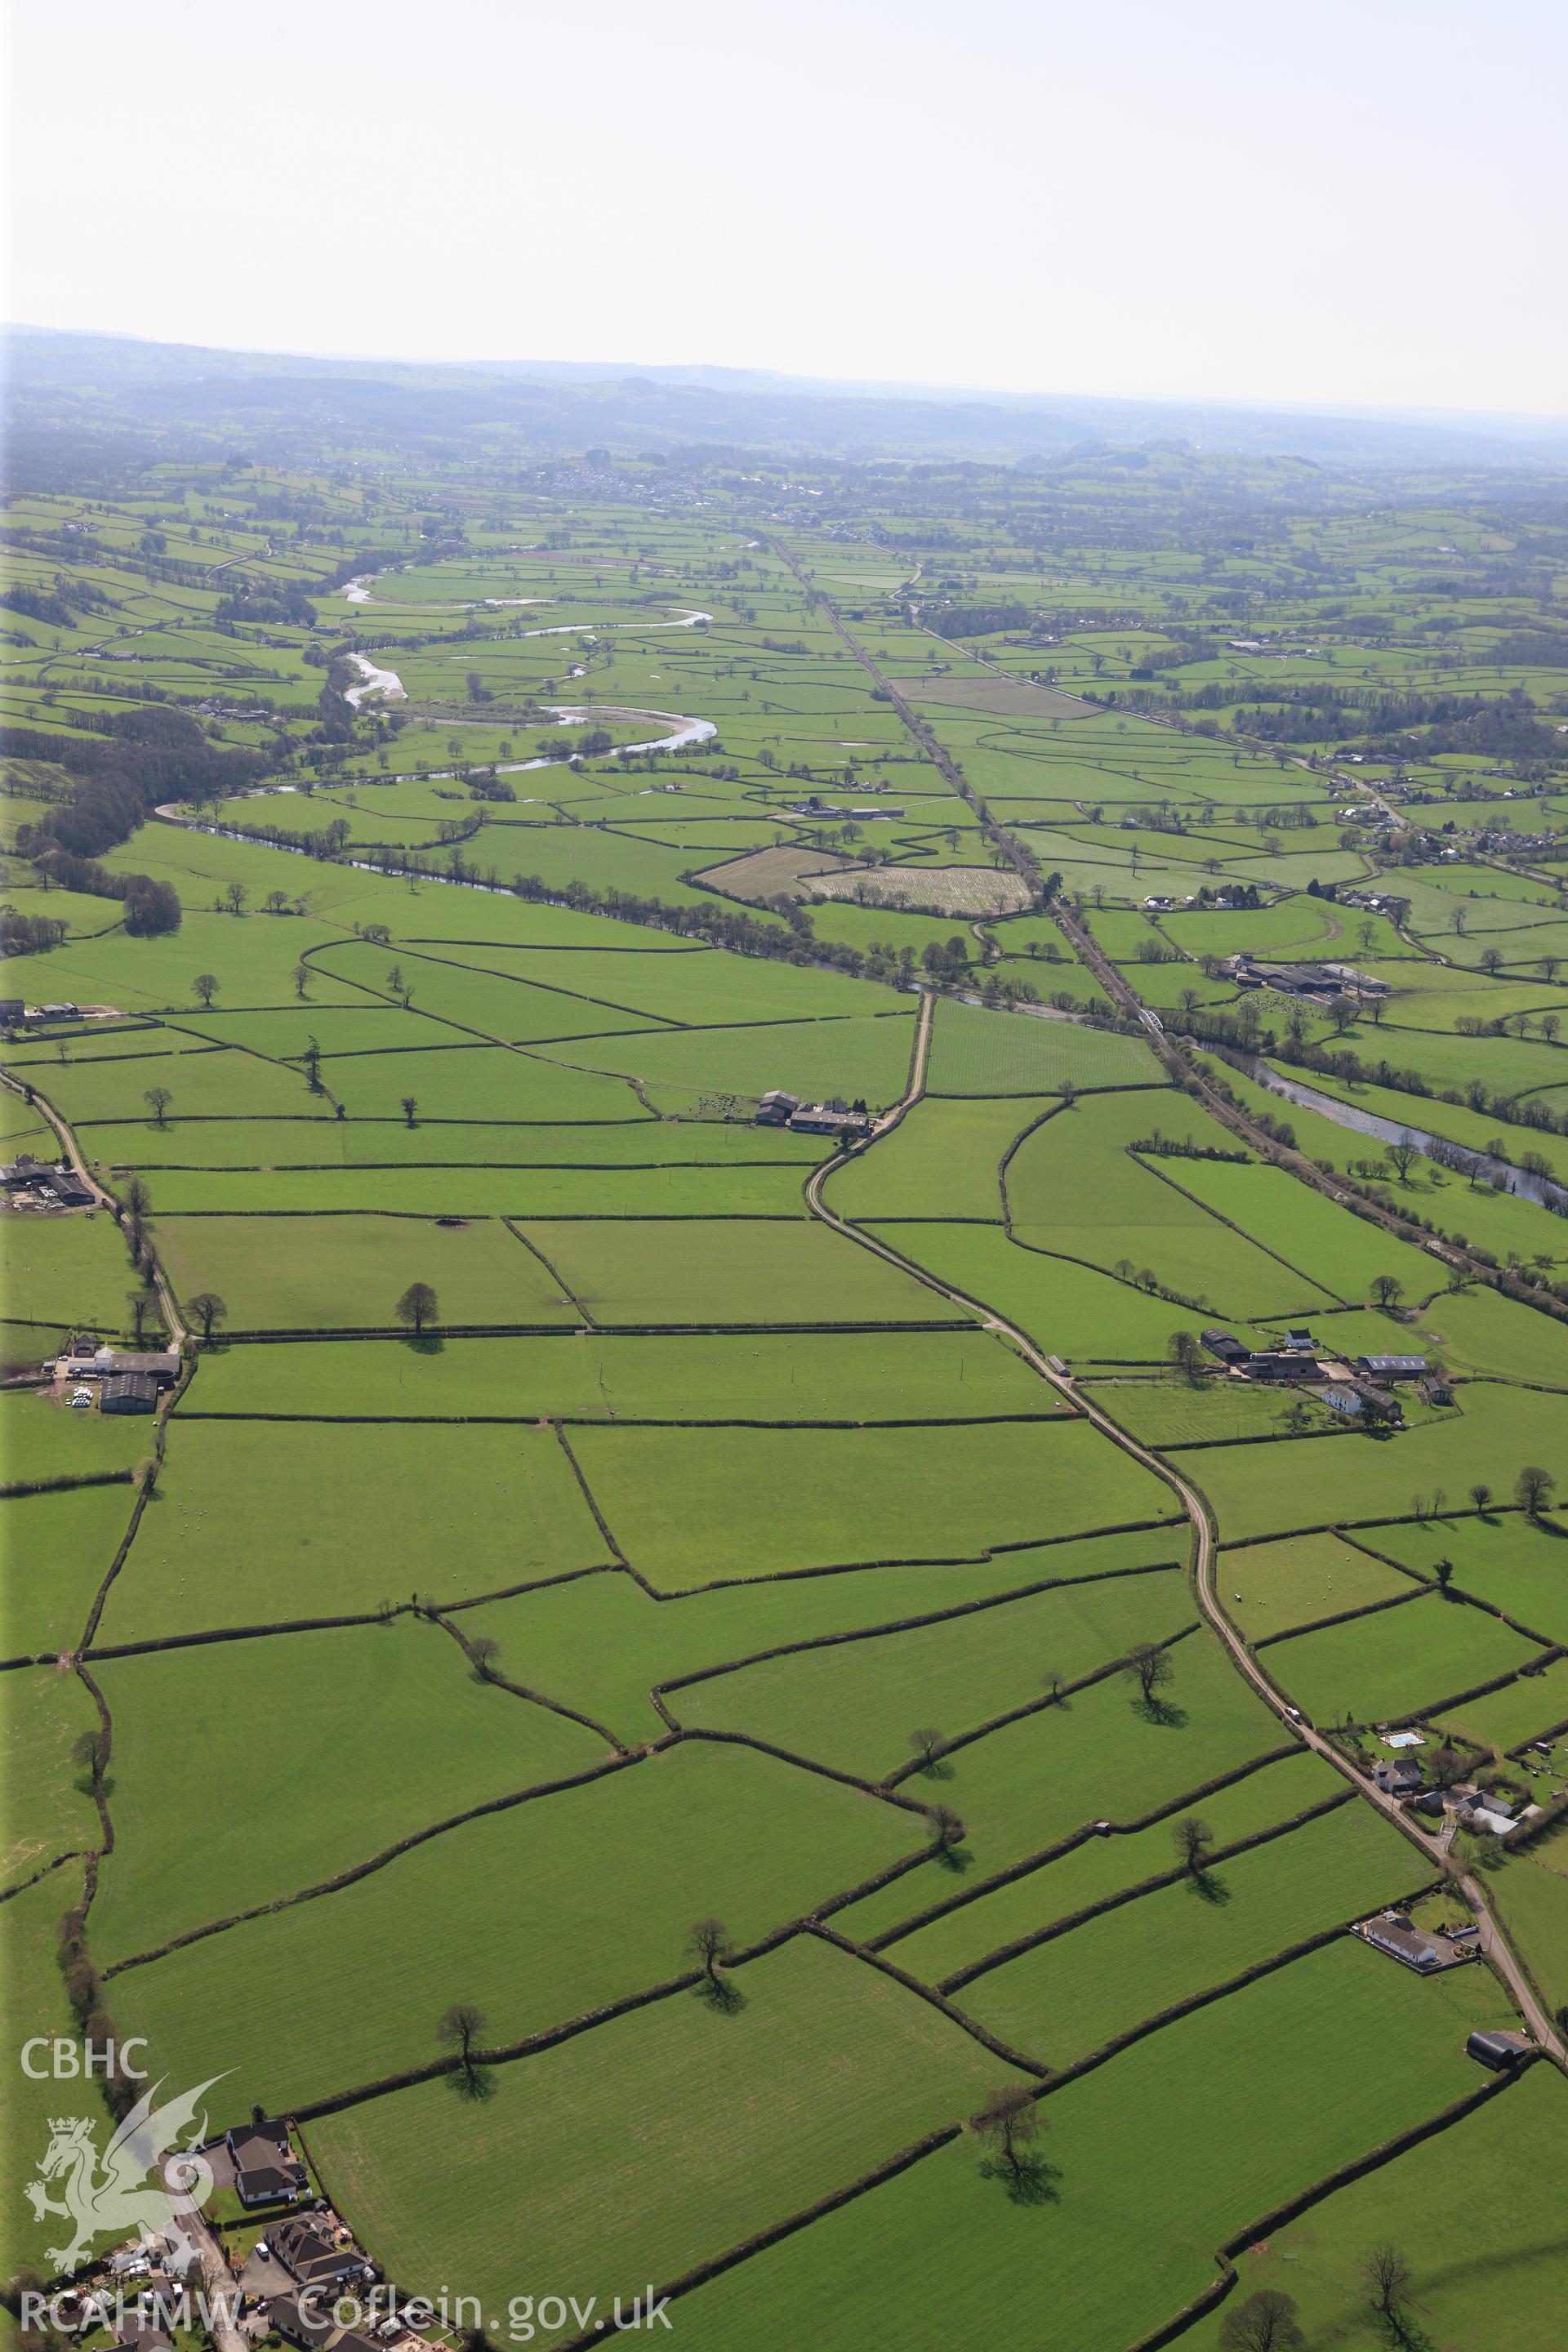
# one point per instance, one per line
(1279, 1486)
(1522, 1710)
(600, 1643)
(1065, 1998)
(1504, 1557)
(448, 1741)
(703, 986)
(1394, 1662)
(227, 1083)
(1339, 1252)
(58, 1548)
(1104, 1865)
(674, 1273)
(1068, 1308)
(1466, 2294)
(638, 2149)
(541, 1912)
(43, 1714)
(975, 1052)
(941, 1161)
(478, 1192)
(687, 1506)
(858, 1056)
(470, 1081)
(854, 1706)
(1268, 1588)
(67, 1267)
(256, 1523)
(1094, 1755)
(1171, 1412)
(794, 1376)
(306, 1273)
(36, 2003)
(41, 1439)
(1156, 2158)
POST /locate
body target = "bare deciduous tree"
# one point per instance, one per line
(928, 1746)
(1266, 2322)
(1194, 1842)
(157, 1099)
(459, 2028)
(712, 1943)
(1388, 2276)
(1007, 2121)
(1149, 1667)
(205, 986)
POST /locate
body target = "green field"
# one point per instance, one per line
(713, 1553)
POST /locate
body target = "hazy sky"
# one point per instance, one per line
(1349, 201)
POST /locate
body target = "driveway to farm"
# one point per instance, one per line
(1494, 1944)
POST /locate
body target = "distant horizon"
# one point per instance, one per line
(618, 368)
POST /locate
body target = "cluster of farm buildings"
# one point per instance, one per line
(1359, 1389)
(831, 1117)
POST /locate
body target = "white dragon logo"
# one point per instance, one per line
(119, 2197)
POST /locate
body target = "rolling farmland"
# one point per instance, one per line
(668, 1193)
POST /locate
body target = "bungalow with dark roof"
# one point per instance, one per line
(266, 2169)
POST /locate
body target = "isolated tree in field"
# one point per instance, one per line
(410, 1105)
(1266, 2322)
(1404, 1154)
(712, 1943)
(485, 1652)
(1009, 2120)
(302, 978)
(1194, 1842)
(157, 1099)
(1051, 1681)
(1387, 1289)
(206, 985)
(1388, 2276)
(417, 1307)
(92, 1752)
(1149, 1667)
(947, 1829)
(209, 1310)
(1533, 1490)
(459, 2028)
(1480, 1496)
(394, 980)
(1186, 1353)
(928, 1746)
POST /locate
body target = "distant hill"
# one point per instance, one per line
(59, 379)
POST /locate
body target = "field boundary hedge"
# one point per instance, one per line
(910, 1624)
(1342, 1617)
(1150, 1886)
(935, 1997)
(386, 1854)
(1075, 1838)
(1030, 1706)
(16, 1489)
